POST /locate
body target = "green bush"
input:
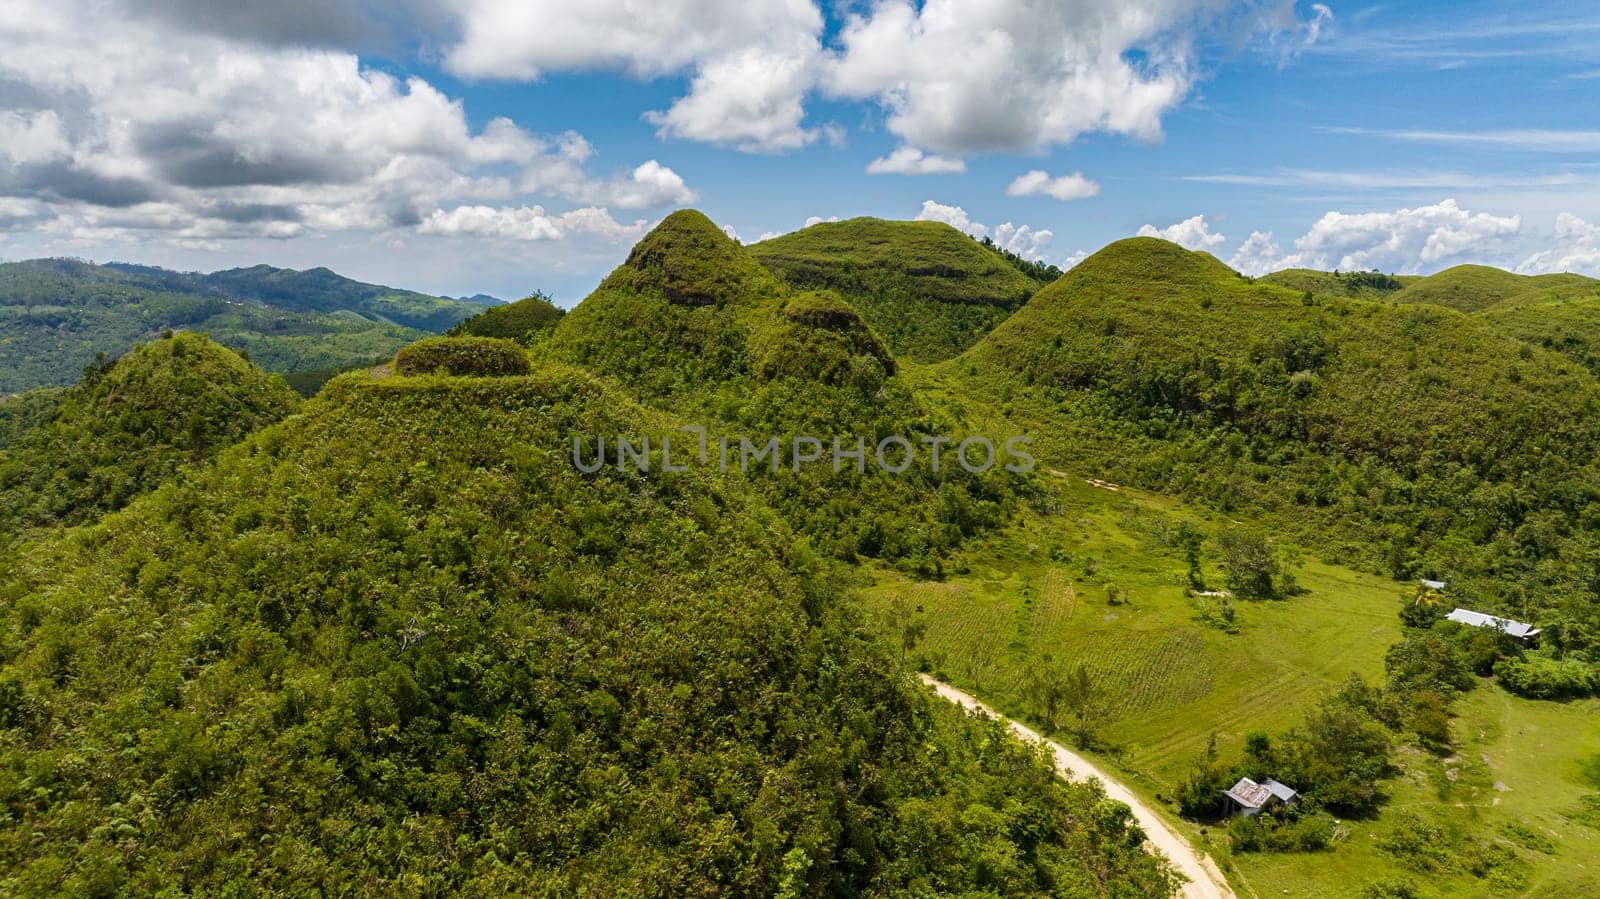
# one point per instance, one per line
(1290, 832)
(1541, 677)
(465, 356)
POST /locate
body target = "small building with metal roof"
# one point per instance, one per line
(1249, 798)
(1518, 630)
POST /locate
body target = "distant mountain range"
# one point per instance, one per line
(57, 314)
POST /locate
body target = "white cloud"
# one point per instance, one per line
(1321, 17)
(817, 220)
(1423, 238)
(1260, 254)
(750, 62)
(1074, 259)
(1192, 233)
(1577, 249)
(653, 184)
(911, 161)
(751, 100)
(960, 76)
(1066, 187)
(1024, 240)
(954, 216)
(212, 139)
(1543, 140)
(954, 75)
(529, 223)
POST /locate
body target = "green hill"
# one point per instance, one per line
(1473, 288)
(57, 314)
(20, 412)
(930, 290)
(693, 323)
(316, 290)
(1570, 326)
(1398, 435)
(399, 643)
(1367, 285)
(520, 321)
(130, 425)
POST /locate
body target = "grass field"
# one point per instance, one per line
(1044, 590)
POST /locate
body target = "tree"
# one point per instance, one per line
(1250, 565)
(909, 624)
(1047, 691)
(1423, 608)
(1191, 540)
(1082, 698)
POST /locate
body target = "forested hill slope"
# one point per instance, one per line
(316, 290)
(522, 321)
(929, 289)
(128, 427)
(691, 322)
(399, 643)
(1420, 439)
(57, 314)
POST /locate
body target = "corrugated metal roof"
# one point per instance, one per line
(1248, 793)
(1506, 625)
(1279, 790)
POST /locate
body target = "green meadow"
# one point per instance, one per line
(1097, 578)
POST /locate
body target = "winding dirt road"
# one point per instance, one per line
(1205, 878)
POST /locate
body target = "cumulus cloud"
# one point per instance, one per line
(529, 223)
(1192, 233)
(954, 76)
(1577, 249)
(960, 76)
(750, 62)
(954, 216)
(1066, 187)
(1025, 241)
(1260, 254)
(817, 220)
(216, 138)
(911, 161)
(1423, 238)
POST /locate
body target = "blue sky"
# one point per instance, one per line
(461, 146)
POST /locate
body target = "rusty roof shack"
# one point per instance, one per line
(1249, 798)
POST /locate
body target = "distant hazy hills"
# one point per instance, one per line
(57, 314)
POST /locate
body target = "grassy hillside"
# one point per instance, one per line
(691, 322)
(130, 425)
(1366, 285)
(1397, 437)
(57, 314)
(1473, 288)
(1565, 319)
(521, 321)
(398, 643)
(930, 290)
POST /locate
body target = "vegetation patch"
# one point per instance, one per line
(483, 357)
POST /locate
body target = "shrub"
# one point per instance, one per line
(1270, 833)
(465, 356)
(1541, 677)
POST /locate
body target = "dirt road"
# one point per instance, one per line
(1205, 879)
